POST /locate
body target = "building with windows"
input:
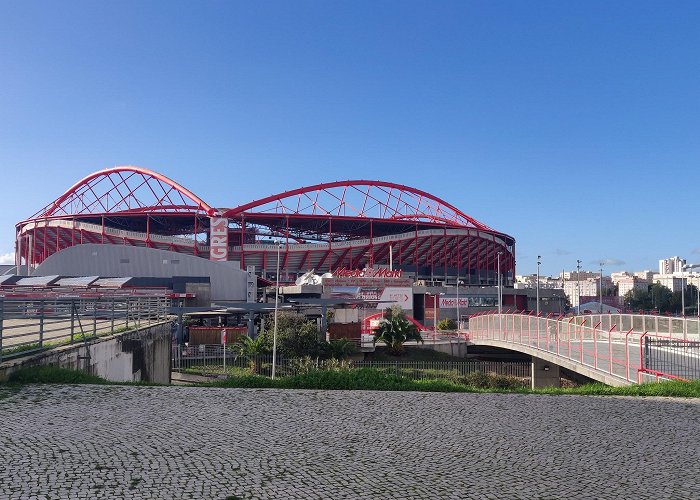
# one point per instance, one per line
(671, 265)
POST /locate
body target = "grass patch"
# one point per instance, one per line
(7, 391)
(674, 388)
(367, 379)
(379, 380)
(52, 375)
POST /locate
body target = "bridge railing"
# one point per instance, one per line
(610, 343)
(597, 345)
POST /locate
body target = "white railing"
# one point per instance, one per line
(609, 343)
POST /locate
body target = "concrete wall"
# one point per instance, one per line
(544, 374)
(142, 355)
(453, 347)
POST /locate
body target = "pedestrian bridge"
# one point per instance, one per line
(616, 349)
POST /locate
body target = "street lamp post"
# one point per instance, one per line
(683, 294)
(500, 296)
(538, 285)
(601, 288)
(578, 286)
(274, 330)
(458, 322)
(458, 305)
(683, 283)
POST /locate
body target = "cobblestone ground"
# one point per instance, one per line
(185, 442)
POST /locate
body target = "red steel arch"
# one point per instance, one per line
(360, 199)
(353, 223)
(125, 190)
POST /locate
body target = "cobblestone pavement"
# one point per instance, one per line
(185, 442)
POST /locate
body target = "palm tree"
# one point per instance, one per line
(252, 348)
(394, 330)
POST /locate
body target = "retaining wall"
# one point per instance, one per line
(142, 355)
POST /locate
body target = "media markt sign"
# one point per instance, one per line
(381, 286)
(367, 272)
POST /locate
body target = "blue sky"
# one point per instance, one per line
(573, 126)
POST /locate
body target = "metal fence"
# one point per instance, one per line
(31, 325)
(674, 358)
(610, 343)
(209, 360)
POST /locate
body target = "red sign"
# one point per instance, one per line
(218, 239)
(367, 272)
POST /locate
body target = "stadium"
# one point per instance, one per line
(336, 227)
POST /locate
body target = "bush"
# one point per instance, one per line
(357, 379)
(296, 336)
(483, 380)
(476, 379)
(447, 324)
(338, 349)
(394, 330)
(53, 375)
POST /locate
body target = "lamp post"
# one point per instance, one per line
(500, 297)
(274, 330)
(601, 288)
(683, 294)
(683, 283)
(538, 285)
(458, 322)
(578, 286)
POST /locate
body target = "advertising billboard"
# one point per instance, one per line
(471, 301)
(383, 296)
(218, 239)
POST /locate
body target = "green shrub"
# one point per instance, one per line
(447, 324)
(296, 336)
(504, 382)
(395, 329)
(476, 379)
(338, 349)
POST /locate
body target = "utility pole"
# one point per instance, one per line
(578, 286)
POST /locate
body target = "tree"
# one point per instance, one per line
(656, 297)
(691, 300)
(252, 348)
(638, 299)
(297, 336)
(394, 330)
(338, 349)
(662, 298)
